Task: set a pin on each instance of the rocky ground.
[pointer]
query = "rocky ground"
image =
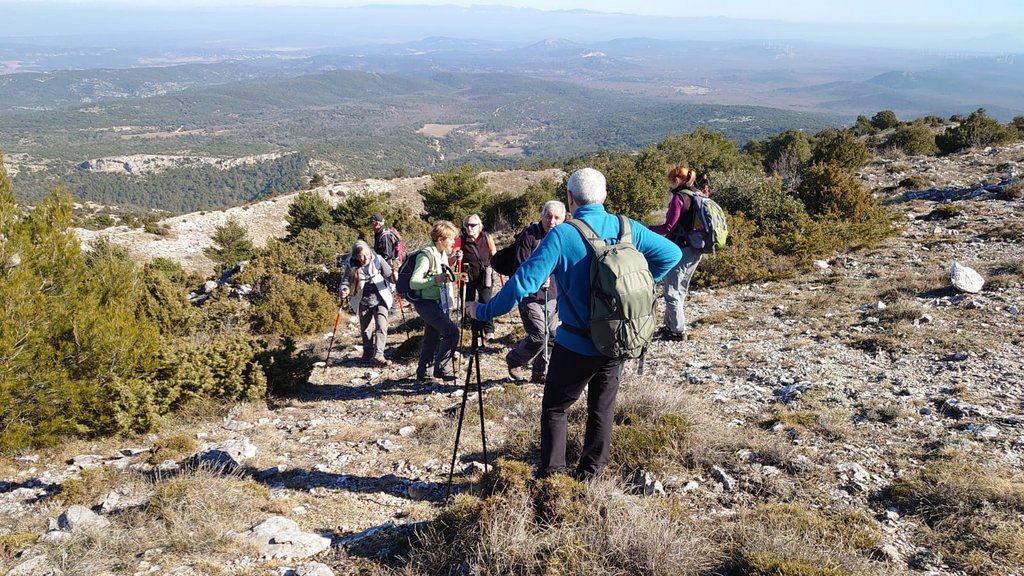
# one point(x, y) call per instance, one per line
point(844, 383)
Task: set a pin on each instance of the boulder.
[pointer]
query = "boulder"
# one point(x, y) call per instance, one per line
point(279, 537)
point(965, 279)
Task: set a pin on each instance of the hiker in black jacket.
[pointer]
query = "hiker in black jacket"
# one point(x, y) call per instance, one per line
point(387, 243)
point(538, 310)
point(476, 248)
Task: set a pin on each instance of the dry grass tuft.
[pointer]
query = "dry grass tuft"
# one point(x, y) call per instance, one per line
point(973, 511)
point(578, 530)
point(791, 540)
point(174, 447)
point(14, 542)
point(91, 485)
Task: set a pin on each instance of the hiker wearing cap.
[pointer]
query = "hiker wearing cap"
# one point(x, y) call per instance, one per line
point(538, 310)
point(679, 221)
point(365, 283)
point(476, 247)
point(575, 362)
point(431, 279)
point(386, 242)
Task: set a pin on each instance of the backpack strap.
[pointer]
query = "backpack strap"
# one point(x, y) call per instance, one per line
point(588, 234)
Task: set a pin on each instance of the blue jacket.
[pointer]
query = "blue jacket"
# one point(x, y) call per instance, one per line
point(564, 253)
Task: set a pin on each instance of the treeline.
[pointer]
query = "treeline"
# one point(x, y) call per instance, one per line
point(180, 190)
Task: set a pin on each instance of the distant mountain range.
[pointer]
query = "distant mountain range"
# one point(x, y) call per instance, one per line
point(354, 92)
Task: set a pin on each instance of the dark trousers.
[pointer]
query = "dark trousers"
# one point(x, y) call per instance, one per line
point(439, 336)
point(568, 374)
point(476, 291)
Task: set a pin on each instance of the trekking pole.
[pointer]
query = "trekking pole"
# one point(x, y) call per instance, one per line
point(337, 321)
point(474, 357)
point(401, 308)
point(461, 325)
point(546, 328)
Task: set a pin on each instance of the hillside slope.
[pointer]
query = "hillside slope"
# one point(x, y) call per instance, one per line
point(869, 389)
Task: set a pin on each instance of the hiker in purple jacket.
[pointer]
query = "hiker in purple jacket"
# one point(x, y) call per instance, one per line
point(679, 220)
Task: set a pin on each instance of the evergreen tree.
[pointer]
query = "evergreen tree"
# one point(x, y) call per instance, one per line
point(452, 195)
point(309, 210)
point(232, 245)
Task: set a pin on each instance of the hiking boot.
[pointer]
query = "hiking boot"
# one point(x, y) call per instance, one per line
point(517, 373)
point(664, 333)
point(381, 363)
point(537, 379)
point(446, 376)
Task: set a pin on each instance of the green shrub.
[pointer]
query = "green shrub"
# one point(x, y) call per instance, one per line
point(636, 183)
point(455, 194)
point(787, 154)
point(976, 130)
point(285, 366)
point(829, 189)
point(309, 211)
point(761, 199)
point(915, 139)
point(224, 367)
point(231, 245)
point(914, 182)
point(884, 120)
point(284, 305)
point(749, 258)
point(166, 302)
point(704, 150)
point(643, 445)
point(863, 127)
point(839, 147)
point(75, 342)
point(510, 211)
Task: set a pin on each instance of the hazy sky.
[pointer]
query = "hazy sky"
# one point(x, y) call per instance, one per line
point(975, 13)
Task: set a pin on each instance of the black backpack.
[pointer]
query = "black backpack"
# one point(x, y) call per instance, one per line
point(504, 261)
point(405, 274)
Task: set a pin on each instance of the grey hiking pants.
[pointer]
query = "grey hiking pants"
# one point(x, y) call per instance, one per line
point(439, 336)
point(373, 327)
point(531, 347)
point(677, 285)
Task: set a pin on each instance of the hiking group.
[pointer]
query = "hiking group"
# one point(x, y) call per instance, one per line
point(584, 292)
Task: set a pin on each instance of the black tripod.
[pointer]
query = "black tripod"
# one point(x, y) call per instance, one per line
point(474, 359)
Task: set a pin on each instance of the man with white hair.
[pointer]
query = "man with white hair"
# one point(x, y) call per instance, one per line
point(575, 362)
point(540, 317)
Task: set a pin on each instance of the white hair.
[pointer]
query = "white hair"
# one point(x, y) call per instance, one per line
point(587, 186)
point(551, 206)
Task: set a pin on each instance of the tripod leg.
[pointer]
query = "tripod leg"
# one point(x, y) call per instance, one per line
point(458, 430)
point(477, 336)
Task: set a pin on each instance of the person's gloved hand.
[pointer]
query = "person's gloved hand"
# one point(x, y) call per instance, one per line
point(471, 310)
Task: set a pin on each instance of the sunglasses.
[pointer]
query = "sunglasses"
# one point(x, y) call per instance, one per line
point(472, 225)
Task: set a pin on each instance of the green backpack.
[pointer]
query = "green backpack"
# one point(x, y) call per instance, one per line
point(622, 316)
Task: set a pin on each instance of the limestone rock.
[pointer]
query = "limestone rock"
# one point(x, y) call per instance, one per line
point(279, 537)
point(78, 518)
point(965, 279)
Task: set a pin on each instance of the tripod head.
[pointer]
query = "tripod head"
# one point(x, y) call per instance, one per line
point(477, 330)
